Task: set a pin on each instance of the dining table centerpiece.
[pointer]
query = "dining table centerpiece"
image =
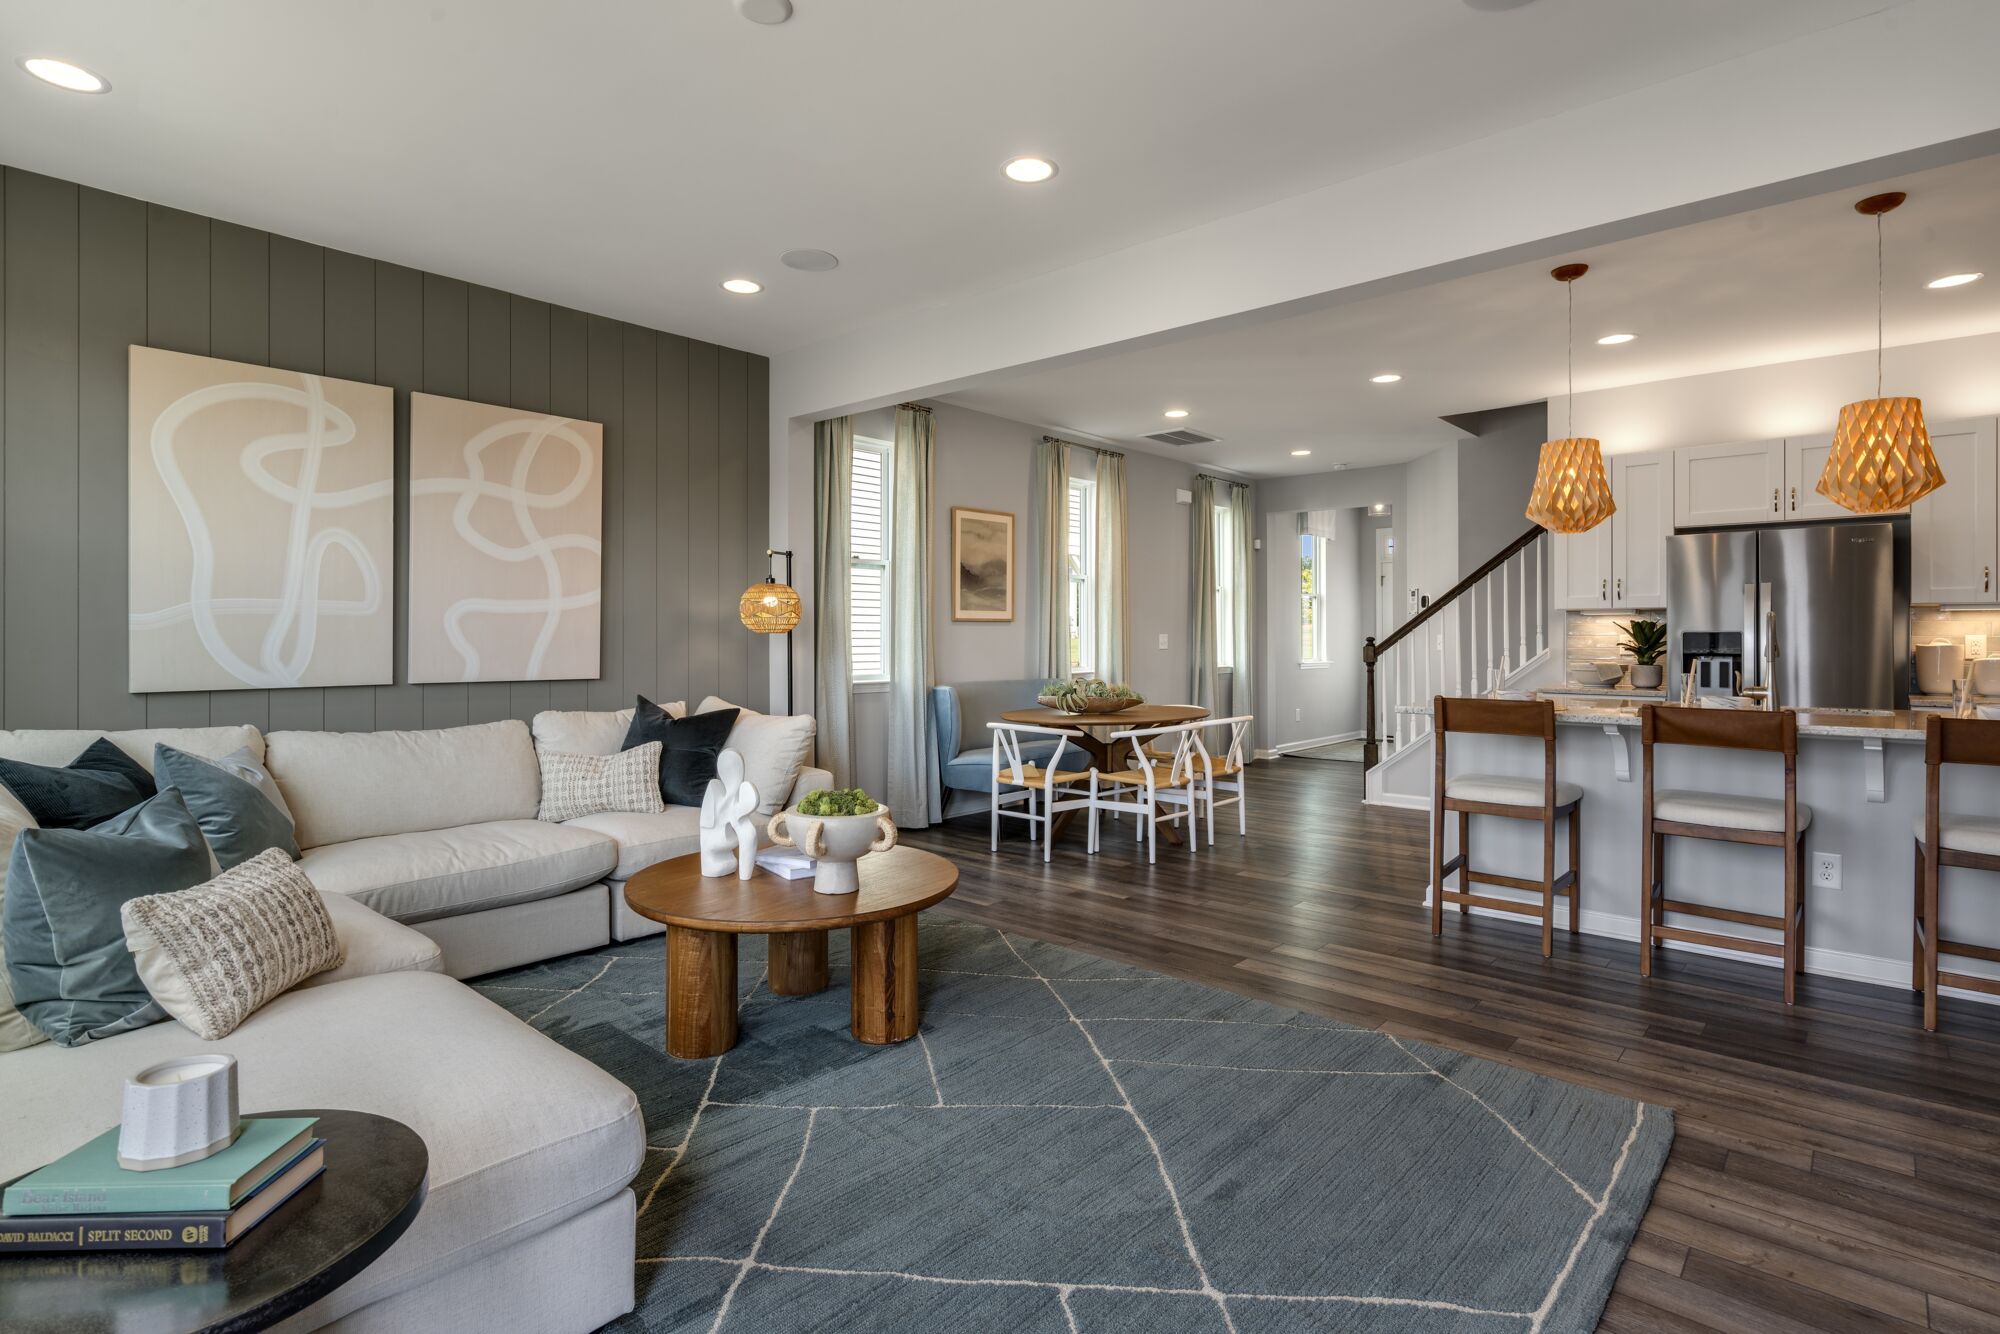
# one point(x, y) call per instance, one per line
point(1094, 695)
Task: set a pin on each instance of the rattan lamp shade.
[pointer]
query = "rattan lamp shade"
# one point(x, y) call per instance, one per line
point(769, 608)
point(1571, 494)
point(1881, 459)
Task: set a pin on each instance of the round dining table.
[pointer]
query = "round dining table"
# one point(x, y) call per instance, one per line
point(1094, 732)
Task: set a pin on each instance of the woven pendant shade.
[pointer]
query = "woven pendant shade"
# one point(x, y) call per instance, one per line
point(1571, 494)
point(769, 608)
point(1881, 459)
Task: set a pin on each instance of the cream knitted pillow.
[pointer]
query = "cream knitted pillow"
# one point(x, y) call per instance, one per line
point(574, 785)
point(213, 954)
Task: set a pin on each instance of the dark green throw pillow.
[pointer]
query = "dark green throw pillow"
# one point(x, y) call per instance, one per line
point(90, 789)
point(235, 799)
point(688, 747)
point(72, 975)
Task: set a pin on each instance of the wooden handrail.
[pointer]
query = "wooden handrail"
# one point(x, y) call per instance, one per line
point(1371, 746)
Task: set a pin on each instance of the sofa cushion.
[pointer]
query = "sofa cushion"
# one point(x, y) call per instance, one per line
point(689, 747)
point(71, 973)
point(774, 747)
point(973, 769)
point(343, 786)
point(374, 944)
point(574, 785)
point(236, 801)
point(15, 1031)
point(643, 840)
point(522, 1133)
point(63, 744)
point(589, 731)
point(101, 782)
point(444, 872)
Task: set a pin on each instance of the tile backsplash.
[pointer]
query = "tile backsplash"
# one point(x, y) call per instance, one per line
point(1928, 624)
point(1592, 637)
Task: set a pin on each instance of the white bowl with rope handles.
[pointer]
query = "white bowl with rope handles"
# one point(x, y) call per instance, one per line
point(835, 843)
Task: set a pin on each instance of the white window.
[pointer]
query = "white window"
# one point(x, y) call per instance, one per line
point(1225, 591)
point(1082, 576)
point(1312, 598)
point(868, 563)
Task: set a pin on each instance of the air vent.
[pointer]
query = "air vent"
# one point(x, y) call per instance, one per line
point(1178, 438)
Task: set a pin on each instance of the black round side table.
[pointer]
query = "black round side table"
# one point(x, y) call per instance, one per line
point(323, 1236)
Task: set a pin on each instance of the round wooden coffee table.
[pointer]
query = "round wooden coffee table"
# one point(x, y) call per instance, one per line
point(704, 916)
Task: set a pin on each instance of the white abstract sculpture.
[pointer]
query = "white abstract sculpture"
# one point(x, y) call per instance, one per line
point(728, 835)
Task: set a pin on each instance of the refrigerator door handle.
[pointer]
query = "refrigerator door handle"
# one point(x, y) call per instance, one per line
point(1770, 654)
point(1753, 637)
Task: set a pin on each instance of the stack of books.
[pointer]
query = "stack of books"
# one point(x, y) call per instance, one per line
point(787, 862)
point(84, 1201)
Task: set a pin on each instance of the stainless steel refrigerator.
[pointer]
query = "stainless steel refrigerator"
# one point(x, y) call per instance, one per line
point(1818, 616)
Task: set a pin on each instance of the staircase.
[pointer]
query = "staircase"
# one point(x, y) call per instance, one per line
point(1493, 620)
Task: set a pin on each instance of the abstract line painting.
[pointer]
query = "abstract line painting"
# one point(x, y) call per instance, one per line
point(262, 527)
point(506, 551)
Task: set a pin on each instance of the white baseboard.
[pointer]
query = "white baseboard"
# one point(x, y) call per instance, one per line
point(1871, 968)
point(1314, 743)
point(1400, 801)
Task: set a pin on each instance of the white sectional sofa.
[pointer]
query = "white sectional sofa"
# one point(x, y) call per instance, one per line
point(434, 867)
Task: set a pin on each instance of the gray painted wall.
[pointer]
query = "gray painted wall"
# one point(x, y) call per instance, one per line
point(1496, 471)
point(83, 274)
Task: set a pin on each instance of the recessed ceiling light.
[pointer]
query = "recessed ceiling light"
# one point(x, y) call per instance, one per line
point(62, 74)
point(1389, 378)
point(1176, 413)
point(1029, 170)
point(765, 11)
point(1300, 453)
point(1613, 340)
point(742, 286)
point(810, 261)
point(1955, 280)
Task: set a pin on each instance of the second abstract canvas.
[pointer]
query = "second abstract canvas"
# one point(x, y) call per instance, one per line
point(506, 554)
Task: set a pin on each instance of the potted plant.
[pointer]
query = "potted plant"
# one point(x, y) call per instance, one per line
point(836, 828)
point(1092, 696)
point(1646, 641)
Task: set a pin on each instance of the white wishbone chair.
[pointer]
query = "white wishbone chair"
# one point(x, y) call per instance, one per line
point(1166, 765)
point(1016, 781)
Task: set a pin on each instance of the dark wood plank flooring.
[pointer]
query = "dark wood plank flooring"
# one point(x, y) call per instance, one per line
point(1834, 1167)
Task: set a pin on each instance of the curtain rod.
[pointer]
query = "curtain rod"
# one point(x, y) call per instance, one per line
point(1211, 477)
point(913, 407)
point(1078, 444)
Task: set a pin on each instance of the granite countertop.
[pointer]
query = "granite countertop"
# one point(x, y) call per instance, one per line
point(1597, 688)
point(1840, 724)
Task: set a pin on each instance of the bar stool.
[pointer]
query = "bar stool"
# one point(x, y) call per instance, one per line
point(1728, 818)
point(1960, 840)
point(1543, 799)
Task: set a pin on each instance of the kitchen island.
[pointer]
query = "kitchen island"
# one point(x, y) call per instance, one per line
point(1861, 772)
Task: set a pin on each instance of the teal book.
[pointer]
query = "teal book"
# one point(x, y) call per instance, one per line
point(90, 1181)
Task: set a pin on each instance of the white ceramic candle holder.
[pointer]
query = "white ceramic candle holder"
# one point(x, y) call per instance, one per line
point(178, 1111)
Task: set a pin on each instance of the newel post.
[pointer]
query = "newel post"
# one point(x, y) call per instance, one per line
point(1371, 745)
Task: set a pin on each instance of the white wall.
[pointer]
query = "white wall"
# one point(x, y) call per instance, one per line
point(1316, 701)
point(1958, 377)
point(987, 462)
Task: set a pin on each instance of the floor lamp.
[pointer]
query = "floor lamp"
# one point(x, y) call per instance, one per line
point(772, 608)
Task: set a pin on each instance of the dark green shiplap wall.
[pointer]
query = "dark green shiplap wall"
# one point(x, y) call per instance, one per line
point(85, 274)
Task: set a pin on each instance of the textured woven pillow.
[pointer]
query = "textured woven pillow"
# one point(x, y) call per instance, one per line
point(574, 785)
point(212, 955)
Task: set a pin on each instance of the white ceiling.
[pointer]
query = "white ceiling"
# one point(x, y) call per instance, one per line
point(1783, 283)
point(623, 156)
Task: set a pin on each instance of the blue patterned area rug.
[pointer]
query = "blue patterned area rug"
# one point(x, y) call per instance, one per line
point(1071, 1144)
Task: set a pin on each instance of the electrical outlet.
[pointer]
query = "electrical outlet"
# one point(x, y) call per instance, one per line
point(1975, 646)
point(1163, 641)
point(1298, 715)
point(1826, 870)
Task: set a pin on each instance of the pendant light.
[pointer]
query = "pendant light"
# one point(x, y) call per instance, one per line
point(1571, 494)
point(1881, 460)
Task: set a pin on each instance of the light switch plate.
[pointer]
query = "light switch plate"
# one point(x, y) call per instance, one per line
point(1163, 641)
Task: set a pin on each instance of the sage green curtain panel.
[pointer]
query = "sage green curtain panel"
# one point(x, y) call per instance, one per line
point(1204, 663)
point(1048, 566)
point(833, 467)
point(1114, 622)
point(913, 794)
point(1242, 534)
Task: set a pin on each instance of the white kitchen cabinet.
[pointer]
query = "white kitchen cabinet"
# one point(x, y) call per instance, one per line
point(1719, 485)
point(1805, 460)
point(1643, 486)
point(1955, 530)
point(1581, 568)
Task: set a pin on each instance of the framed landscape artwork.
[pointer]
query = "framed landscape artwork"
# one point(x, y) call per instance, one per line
point(260, 526)
point(982, 565)
point(506, 543)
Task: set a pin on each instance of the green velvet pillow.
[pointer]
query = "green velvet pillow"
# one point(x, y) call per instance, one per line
point(235, 800)
point(72, 975)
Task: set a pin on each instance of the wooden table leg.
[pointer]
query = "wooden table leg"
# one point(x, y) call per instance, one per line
point(798, 962)
point(701, 992)
point(885, 980)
